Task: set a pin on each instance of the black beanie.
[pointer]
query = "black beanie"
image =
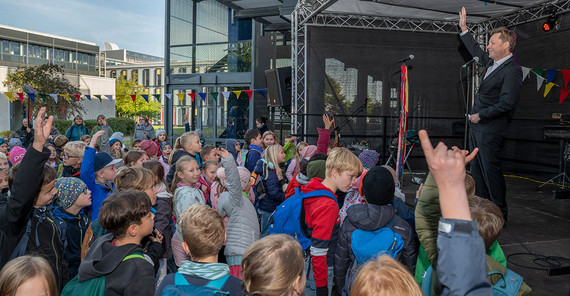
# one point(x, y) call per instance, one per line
point(378, 186)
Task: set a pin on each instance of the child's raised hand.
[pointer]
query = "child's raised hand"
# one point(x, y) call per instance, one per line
point(468, 157)
point(157, 237)
point(42, 132)
point(447, 166)
point(223, 152)
point(327, 121)
point(95, 138)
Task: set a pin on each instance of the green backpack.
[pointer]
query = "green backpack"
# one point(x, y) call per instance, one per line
point(94, 286)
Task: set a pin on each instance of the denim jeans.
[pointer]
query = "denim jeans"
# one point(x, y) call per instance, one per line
point(264, 222)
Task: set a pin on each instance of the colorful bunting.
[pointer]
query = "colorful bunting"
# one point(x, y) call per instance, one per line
point(249, 92)
point(44, 97)
point(547, 88)
point(99, 97)
point(88, 97)
point(262, 90)
point(525, 71)
point(32, 97)
point(566, 76)
point(157, 97)
point(214, 95)
point(110, 97)
point(10, 95)
point(563, 94)
point(145, 97)
point(203, 96)
point(134, 98)
point(77, 96)
point(538, 72)
point(66, 96)
point(226, 94)
point(237, 92)
point(21, 96)
point(168, 96)
point(539, 82)
point(192, 96)
point(180, 98)
point(54, 96)
point(550, 74)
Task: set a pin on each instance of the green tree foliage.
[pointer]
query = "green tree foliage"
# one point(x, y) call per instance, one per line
point(335, 100)
point(46, 79)
point(124, 106)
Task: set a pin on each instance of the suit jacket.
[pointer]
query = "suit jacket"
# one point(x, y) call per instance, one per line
point(498, 93)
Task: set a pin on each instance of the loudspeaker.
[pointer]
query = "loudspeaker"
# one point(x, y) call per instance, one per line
point(278, 87)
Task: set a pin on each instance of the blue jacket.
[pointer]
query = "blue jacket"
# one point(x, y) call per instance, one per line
point(275, 194)
point(72, 230)
point(253, 157)
point(98, 191)
point(75, 132)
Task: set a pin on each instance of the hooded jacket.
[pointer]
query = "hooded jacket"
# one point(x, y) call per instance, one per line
point(72, 230)
point(275, 195)
point(129, 277)
point(322, 222)
point(75, 132)
point(163, 216)
point(370, 217)
point(99, 191)
point(15, 210)
point(254, 154)
point(144, 132)
point(298, 181)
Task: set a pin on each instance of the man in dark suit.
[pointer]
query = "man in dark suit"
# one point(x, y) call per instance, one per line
point(495, 102)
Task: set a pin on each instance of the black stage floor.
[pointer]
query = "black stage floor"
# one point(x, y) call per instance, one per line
point(537, 223)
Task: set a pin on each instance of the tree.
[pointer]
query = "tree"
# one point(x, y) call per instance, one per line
point(124, 106)
point(46, 79)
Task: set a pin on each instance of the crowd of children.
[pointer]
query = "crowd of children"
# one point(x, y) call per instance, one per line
point(89, 217)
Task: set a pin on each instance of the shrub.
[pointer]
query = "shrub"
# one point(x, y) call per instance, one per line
point(5, 134)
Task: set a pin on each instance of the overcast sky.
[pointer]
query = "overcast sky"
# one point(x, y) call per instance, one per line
point(136, 25)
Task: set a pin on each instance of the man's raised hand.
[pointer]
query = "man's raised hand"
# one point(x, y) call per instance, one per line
point(463, 19)
point(42, 131)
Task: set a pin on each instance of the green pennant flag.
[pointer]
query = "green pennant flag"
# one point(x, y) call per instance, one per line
point(157, 97)
point(538, 72)
point(44, 97)
point(99, 97)
point(215, 95)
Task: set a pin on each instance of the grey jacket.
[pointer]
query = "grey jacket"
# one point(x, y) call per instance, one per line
point(243, 226)
point(185, 197)
point(144, 132)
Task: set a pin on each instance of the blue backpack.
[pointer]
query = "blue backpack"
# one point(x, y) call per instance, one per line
point(182, 287)
point(368, 245)
point(287, 216)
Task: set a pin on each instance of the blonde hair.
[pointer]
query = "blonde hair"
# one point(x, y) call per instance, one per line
point(341, 159)
point(203, 231)
point(16, 272)
point(272, 265)
point(133, 156)
point(134, 178)
point(180, 142)
point(75, 147)
point(120, 154)
point(297, 154)
point(271, 157)
point(384, 276)
point(489, 219)
point(3, 156)
point(180, 165)
point(265, 134)
point(469, 185)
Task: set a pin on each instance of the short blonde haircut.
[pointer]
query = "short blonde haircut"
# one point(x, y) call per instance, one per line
point(3, 156)
point(341, 159)
point(77, 148)
point(16, 272)
point(203, 231)
point(134, 178)
point(489, 219)
point(272, 265)
point(469, 185)
point(384, 276)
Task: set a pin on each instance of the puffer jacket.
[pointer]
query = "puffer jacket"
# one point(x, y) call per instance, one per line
point(144, 132)
point(243, 225)
point(185, 197)
point(275, 195)
point(370, 217)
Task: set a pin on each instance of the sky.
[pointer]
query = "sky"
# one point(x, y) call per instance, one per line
point(136, 25)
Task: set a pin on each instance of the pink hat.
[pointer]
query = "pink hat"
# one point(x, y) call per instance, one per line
point(149, 147)
point(244, 177)
point(17, 154)
point(308, 152)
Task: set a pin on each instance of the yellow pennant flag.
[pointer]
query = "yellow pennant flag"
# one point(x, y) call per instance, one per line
point(65, 96)
point(547, 88)
point(237, 92)
point(10, 95)
point(180, 98)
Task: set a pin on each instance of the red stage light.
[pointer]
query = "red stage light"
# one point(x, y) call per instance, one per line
point(546, 27)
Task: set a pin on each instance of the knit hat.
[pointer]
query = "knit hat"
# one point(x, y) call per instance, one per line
point(117, 135)
point(308, 151)
point(164, 144)
point(221, 174)
point(113, 141)
point(316, 169)
point(231, 147)
point(103, 160)
point(2, 142)
point(244, 178)
point(14, 142)
point(159, 131)
point(369, 158)
point(16, 154)
point(149, 147)
point(60, 141)
point(68, 191)
point(378, 186)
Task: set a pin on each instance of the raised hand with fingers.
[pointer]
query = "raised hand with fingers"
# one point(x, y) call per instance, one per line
point(463, 19)
point(95, 138)
point(327, 121)
point(223, 152)
point(468, 157)
point(42, 131)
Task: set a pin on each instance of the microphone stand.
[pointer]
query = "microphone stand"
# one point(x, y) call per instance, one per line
point(467, 105)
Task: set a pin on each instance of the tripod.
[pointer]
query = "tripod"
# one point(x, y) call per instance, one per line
point(564, 156)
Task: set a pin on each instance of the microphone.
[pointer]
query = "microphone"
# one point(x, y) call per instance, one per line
point(409, 58)
point(474, 60)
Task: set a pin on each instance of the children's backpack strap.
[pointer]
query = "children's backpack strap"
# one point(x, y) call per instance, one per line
point(219, 283)
point(134, 255)
point(20, 249)
point(180, 280)
point(317, 193)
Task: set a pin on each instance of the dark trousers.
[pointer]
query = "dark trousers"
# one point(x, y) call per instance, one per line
point(486, 169)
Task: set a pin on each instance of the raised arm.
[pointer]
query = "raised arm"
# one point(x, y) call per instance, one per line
point(232, 175)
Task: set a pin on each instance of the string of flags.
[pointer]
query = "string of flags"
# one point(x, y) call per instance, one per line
point(14, 96)
point(550, 76)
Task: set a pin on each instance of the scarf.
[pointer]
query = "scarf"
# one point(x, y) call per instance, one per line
point(209, 271)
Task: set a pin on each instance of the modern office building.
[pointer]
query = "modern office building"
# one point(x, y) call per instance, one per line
point(23, 48)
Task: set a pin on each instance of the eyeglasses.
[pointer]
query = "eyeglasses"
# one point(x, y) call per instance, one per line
point(65, 156)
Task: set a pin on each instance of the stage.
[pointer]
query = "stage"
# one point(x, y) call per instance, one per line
point(540, 222)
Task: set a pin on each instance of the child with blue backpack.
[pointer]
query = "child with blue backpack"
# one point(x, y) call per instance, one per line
point(368, 220)
point(203, 234)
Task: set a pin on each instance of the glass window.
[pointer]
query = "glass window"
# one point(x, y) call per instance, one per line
point(114, 74)
point(15, 48)
point(124, 74)
point(145, 77)
point(212, 22)
point(43, 52)
point(5, 46)
point(135, 75)
point(158, 77)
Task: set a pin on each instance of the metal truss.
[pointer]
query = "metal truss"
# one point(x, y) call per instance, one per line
point(299, 70)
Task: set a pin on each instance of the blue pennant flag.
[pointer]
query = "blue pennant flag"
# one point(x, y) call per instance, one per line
point(110, 97)
point(88, 97)
point(203, 96)
point(32, 97)
point(145, 97)
point(550, 74)
point(261, 90)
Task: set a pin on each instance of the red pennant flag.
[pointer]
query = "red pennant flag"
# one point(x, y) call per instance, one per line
point(134, 97)
point(566, 75)
point(249, 92)
point(21, 95)
point(76, 96)
point(563, 94)
point(192, 96)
